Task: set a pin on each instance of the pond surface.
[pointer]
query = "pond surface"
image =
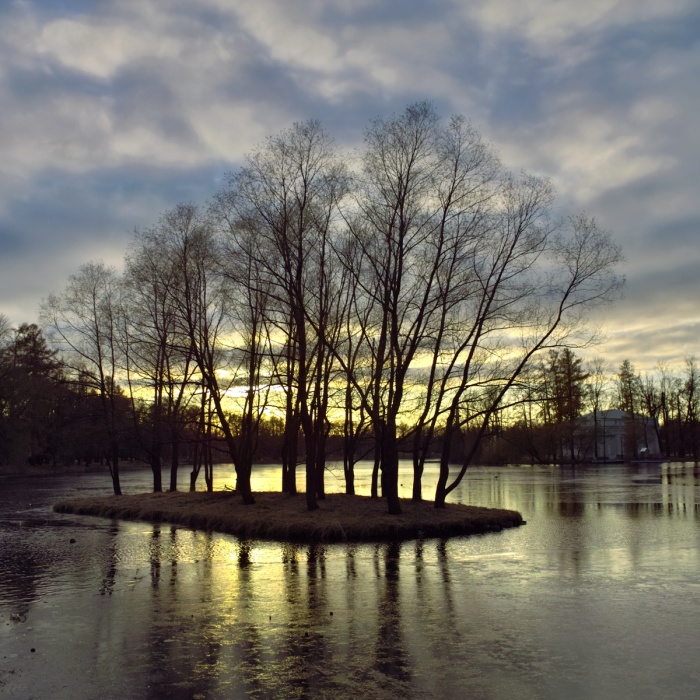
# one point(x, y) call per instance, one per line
point(598, 596)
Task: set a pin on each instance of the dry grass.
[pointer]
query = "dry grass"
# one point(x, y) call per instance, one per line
point(277, 516)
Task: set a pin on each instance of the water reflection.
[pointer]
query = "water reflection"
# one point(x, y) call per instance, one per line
point(141, 610)
point(110, 560)
point(229, 624)
point(391, 658)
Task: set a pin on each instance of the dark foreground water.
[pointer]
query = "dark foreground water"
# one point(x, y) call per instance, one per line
point(598, 596)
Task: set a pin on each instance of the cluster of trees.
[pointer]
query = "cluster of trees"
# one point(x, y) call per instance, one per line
point(29, 392)
point(53, 416)
point(394, 296)
point(671, 400)
point(541, 422)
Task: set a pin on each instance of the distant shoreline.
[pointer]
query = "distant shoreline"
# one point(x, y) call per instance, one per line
point(68, 470)
point(284, 518)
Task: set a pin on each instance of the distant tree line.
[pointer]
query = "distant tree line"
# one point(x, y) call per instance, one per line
point(541, 421)
point(52, 417)
point(385, 303)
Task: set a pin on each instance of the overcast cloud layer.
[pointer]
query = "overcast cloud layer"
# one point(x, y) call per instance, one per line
point(116, 110)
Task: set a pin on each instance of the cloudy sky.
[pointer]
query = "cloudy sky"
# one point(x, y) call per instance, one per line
point(112, 111)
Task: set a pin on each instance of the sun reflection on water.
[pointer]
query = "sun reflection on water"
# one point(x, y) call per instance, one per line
point(141, 610)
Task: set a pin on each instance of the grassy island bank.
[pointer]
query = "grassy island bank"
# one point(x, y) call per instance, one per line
point(277, 516)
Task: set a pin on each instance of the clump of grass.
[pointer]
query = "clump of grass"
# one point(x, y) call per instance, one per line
point(277, 516)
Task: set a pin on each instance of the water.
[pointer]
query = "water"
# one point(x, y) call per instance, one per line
point(597, 597)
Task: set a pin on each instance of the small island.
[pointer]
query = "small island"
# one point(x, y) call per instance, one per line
point(281, 517)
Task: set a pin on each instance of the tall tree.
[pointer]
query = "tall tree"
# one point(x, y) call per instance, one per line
point(598, 372)
point(30, 387)
point(669, 390)
point(539, 279)
point(157, 354)
point(691, 400)
point(418, 204)
point(286, 195)
point(83, 322)
point(629, 401)
point(564, 395)
point(249, 292)
point(202, 298)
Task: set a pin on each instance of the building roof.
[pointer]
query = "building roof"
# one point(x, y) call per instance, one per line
point(611, 414)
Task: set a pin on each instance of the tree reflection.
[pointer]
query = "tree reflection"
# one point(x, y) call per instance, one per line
point(390, 653)
point(155, 556)
point(178, 656)
point(110, 561)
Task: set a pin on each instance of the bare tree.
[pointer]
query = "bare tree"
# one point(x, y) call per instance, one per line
point(157, 354)
point(691, 400)
point(422, 193)
point(83, 322)
point(286, 195)
point(249, 292)
point(538, 282)
point(397, 230)
point(201, 296)
point(598, 372)
point(5, 329)
point(669, 388)
point(460, 265)
point(410, 298)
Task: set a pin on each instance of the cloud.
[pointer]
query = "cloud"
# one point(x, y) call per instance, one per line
point(115, 111)
point(134, 82)
point(550, 27)
point(101, 47)
point(142, 98)
point(71, 219)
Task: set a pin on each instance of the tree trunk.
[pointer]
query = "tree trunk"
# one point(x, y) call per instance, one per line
point(157, 474)
point(349, 474)
point(320, 466)
point(390, 470)
point(417, 479)
point(208, 469)
point(196, 465)
point(311, 502)
point(114, 468)
point(290, 451)
point(378, 433)
point(174, 460)
point(243, 475)
point(441, 489)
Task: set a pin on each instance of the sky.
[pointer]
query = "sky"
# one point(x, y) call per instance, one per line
point(114, 111)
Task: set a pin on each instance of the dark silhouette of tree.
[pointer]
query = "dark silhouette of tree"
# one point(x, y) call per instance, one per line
point(83, 322)
point(650, 399)
point(30, 388)
point(563, 395)
point(202, 296)
point(420, 198)
point(538, 281)
point(157, 354)
point(407, 301)
point(691, 400)
point(629, 400)
point(285, 197)
point(250, 295)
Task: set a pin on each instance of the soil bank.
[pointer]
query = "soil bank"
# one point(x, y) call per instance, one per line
point(277, 516)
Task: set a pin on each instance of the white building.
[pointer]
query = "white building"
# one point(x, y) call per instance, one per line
point(615, 436)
